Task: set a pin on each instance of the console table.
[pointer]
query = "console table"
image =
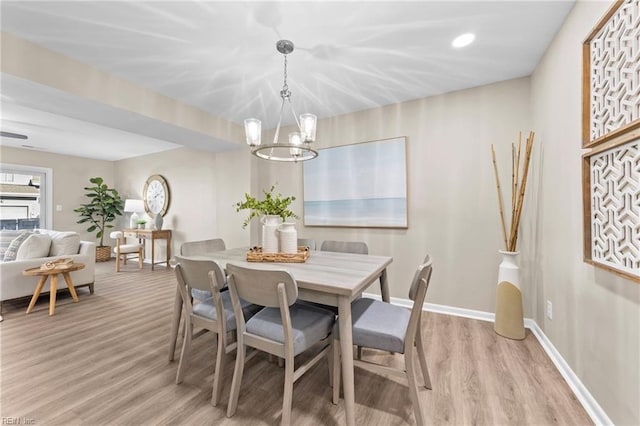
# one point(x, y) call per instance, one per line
point(153, 235)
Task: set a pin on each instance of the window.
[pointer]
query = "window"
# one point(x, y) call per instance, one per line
point(25, 197)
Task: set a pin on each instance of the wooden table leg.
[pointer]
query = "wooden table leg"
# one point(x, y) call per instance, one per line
point(384, 286)
point(153, 253)
point(36, 293)
point(346, 347)
point(72, 290)
point(168, 240)
point(52, 294)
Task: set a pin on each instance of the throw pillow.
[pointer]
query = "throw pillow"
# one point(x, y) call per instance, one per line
point(64, 243)
point(12, 250)
point(6, 236)
point(37, 245)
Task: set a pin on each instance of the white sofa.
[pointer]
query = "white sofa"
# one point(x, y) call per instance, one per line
point(14, 285)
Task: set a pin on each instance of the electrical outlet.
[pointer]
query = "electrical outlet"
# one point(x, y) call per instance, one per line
point(58, 207)
point(549, 310)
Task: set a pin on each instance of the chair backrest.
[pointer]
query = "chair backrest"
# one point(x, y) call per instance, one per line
point(195, 273)
point(357, 247)
point(116, 235)
point(260, 286)
point(194, 248)
point(307, 242)
point(417, 293)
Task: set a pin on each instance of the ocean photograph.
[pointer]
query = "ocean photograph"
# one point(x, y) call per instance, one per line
point(360, 185)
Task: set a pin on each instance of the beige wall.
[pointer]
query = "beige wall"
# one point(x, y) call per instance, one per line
point(70, 176)
point(596, 315)
point(453, 213)
point(203, 186)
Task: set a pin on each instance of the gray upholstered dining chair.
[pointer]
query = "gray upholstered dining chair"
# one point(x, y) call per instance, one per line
point(283, 328)
point(202, 247)
point(390, 328)
point(215, 314)
point(358, 247)
point(307, 242)
point(191, 248)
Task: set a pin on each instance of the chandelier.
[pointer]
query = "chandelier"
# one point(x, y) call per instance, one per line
point(298, 147)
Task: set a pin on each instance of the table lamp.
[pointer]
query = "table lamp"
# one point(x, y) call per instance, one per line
point(134, 207)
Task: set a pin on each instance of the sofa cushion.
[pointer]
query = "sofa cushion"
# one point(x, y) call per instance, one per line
point(12, 250)
point(6, 236)
point(63, 243)
point(37, 245)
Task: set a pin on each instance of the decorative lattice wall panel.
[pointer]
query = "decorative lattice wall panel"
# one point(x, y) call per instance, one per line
point(611, 81)
point(615, 207)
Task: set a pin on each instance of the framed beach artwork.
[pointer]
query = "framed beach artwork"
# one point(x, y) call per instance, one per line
point(360, 185)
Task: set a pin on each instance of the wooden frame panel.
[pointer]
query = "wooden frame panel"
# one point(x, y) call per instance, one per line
point(616, 40)
point(619, 221)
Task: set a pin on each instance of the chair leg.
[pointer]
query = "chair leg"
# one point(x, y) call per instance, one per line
point(184, 354)
point(413, 387)
point(140, 258)
point(288, 391)
point(237, 380)
point(423, 360)
point(175, 324)
point(219, 371)
point(118, 262)
point(335, 350)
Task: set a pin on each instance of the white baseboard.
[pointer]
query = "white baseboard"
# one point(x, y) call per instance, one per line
point(589, 403)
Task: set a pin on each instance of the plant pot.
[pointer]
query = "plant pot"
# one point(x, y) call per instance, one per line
point(103, 253)
point(270, 234)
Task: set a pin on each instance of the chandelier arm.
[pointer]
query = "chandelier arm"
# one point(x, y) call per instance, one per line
point(277, 134)
point(295, 116)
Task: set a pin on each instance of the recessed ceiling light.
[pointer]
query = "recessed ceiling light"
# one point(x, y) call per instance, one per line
point(463, 40)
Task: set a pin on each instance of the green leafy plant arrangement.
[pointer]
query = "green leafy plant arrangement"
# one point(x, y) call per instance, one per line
point(104, 206)
point(271, 205)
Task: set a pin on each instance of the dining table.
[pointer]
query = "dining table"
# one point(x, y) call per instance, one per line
point(329, 278)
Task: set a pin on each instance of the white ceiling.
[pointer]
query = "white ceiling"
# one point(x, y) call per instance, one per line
point(221, 57)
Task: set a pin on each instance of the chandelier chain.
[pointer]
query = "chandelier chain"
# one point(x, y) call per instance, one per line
point(285, 93)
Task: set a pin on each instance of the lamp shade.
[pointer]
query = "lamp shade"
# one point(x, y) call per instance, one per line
point(253, 128)
point(135, 206)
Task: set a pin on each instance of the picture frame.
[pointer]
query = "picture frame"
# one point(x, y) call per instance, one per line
point(610, 190)
point(607, 109)
point(362, 185)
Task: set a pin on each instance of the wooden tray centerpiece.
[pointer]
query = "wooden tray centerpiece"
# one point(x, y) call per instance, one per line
point(255, 254)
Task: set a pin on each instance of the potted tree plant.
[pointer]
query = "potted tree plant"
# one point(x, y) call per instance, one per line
point(105, 204)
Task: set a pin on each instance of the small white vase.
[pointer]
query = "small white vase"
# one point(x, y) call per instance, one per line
point(269, 233)
point(509, 320)
point(288, 238)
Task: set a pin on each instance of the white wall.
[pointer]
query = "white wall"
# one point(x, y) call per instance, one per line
point(453, 213)
point(596, 315)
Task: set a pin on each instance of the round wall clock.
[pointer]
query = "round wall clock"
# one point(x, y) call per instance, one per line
point(156, 195)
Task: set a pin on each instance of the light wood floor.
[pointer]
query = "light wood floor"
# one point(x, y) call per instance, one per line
point(103, 361)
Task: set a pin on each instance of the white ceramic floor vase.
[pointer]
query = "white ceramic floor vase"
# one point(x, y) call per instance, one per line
point(270, 225)
point(288, 238)
point(509, 320)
